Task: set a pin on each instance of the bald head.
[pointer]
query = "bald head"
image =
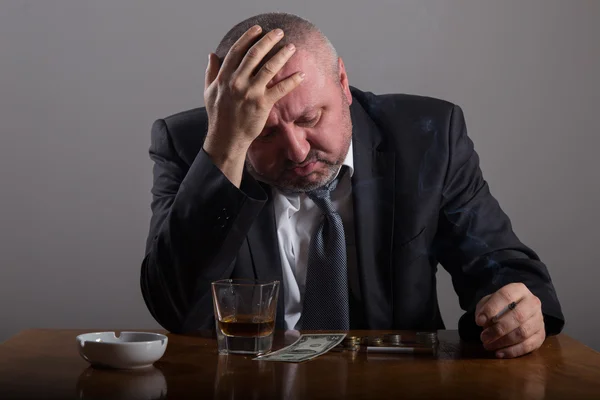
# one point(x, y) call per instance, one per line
point(302, 33)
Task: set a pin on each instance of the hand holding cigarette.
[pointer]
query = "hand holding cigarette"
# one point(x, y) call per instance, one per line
point(512, 320)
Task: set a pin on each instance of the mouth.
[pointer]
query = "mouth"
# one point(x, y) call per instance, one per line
point(305, 168)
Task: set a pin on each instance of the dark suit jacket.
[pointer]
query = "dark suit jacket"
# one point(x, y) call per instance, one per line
point(419, 200)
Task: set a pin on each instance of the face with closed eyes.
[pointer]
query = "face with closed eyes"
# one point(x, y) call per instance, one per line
point(308, 132)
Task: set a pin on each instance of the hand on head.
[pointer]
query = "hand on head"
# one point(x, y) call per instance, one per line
point(238, 101)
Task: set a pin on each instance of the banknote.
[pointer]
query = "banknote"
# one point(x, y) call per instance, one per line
point(305, 348)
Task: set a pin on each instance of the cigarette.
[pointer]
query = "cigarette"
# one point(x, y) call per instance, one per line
point(400, 350)
point(506, 309)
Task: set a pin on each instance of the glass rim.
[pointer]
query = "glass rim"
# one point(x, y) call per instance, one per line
point(244, 282)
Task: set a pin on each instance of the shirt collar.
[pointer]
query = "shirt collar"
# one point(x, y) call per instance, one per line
point(349, 161)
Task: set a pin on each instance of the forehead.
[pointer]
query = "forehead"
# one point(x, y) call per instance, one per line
point(302, 60)
point(314, 89)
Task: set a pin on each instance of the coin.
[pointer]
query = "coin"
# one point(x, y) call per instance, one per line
point(372, 340)
point(392, 338)
point(427, 337)
point(352, 339)
point(346, 347)
point(350, 343)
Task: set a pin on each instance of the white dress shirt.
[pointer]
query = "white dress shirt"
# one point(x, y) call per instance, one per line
point(297, 218)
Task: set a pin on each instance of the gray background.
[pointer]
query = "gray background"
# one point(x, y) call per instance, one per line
point(82, 81)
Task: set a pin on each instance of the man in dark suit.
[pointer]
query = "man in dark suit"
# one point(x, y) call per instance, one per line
point(234, 197)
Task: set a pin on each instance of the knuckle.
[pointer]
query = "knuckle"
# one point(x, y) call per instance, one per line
point(499, 330)
point(529, 346)
point(262, 103)
point(236, 85)
point(483, 300)
point(487, 311)
point(219, 79)
point(523, 332)
point(252, 52)
point(269, 68)
point(518, 287)
point(281, 89)
point(482, 306)
point(507, 294)
point(537, 302)
point(519, 314)
point(247, 97)
point(234, 49)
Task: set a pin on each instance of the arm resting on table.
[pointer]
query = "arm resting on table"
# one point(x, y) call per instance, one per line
point(476, 243)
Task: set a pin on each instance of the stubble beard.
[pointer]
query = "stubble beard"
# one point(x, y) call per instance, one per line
point(286, 183)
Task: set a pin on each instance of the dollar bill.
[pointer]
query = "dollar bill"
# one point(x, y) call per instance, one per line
point(305, 348)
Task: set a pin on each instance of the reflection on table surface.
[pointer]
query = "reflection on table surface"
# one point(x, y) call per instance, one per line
point(46, 364)
point(144, 383)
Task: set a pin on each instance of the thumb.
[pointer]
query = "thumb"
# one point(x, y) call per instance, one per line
point(212, 70)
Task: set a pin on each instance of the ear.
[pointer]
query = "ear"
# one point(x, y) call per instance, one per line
point(344, 80)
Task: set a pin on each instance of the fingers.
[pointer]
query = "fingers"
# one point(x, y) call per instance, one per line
point(259, 51)
point(525, 347)
point(240, 63)
point(481, 303)
point(504, 296)
point(274, 65)
point(284, 87)
point(527, 308)
point(237, 52)
point(212, 69)
point(523, 332)
point(237, 103)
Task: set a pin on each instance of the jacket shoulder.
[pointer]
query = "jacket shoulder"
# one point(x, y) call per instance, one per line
point(407, 107)
point(183, 121)
point(187, 130)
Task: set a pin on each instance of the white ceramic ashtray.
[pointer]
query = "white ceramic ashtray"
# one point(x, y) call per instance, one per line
point(126, 351)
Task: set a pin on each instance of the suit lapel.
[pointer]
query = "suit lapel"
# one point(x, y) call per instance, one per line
point(373, 195)
point(264, 250)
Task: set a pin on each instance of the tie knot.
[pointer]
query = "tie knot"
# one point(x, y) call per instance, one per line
point(322, 196)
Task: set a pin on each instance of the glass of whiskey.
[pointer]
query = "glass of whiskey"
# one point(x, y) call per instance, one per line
point(245, 312)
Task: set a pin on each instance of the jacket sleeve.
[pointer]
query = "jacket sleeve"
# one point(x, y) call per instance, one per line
point(199, 222)
point(476, 243)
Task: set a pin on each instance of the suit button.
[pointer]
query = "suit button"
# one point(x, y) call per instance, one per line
point(223, 218)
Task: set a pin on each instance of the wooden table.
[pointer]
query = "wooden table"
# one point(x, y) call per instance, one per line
point(45, 364)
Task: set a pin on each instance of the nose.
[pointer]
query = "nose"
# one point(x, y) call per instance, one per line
point(295, 143)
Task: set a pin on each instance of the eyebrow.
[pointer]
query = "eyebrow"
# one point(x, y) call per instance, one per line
point(310, 111)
